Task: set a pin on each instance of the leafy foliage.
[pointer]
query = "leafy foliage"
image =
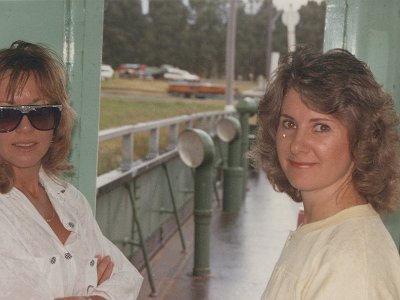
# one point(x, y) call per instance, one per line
point(306, 31)
point(193, 37)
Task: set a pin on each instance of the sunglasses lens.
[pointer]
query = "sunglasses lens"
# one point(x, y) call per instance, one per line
point(45, 118)
point(9, 119)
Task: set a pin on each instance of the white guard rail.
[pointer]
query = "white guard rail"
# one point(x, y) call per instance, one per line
point(129, 167)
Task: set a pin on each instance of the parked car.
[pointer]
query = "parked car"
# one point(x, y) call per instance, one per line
point(131, 70)
point(153, 73)
point(106, 72)
point(172, 73)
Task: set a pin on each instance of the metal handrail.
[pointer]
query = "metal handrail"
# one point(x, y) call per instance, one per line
point(131, 168)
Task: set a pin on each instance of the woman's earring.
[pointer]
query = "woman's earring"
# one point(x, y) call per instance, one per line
point(283, 135)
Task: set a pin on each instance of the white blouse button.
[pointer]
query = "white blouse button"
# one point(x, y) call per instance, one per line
point(92, 263)
point(53, 260)
point(71, 225)
point(68, 255)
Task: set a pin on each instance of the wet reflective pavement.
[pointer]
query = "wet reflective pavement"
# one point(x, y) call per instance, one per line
point(244, 249)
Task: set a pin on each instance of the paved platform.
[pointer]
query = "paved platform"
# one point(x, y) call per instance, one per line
point(244, 249)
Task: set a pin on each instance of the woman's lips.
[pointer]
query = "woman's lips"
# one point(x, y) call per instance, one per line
point(24, 146)
point(301, 165)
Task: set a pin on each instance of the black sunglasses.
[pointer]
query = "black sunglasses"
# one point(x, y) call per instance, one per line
point(41, 117)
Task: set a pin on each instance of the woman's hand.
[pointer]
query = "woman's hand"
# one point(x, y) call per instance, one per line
point(104, 268)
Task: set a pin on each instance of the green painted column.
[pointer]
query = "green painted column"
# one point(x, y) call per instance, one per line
point(229, 131)
point(196, 149)
point(84, 37)
point(371, 30)
point(246, 107)
point(72, 28)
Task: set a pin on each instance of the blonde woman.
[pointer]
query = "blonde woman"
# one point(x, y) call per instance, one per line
point(50, 244)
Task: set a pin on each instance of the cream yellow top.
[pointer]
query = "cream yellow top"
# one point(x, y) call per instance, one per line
point(350, 256)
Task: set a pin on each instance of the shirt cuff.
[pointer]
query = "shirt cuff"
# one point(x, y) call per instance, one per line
point(92, 291)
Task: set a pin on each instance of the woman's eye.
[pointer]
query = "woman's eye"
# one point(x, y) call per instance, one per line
point(322, 128)
point(288, 124)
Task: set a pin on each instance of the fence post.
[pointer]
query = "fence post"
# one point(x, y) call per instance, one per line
point(173, 136)
point(127, 152)
point(154, 143)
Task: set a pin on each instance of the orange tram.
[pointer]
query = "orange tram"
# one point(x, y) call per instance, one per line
point(195, 89)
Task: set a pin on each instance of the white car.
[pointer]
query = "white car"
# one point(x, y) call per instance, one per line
point(106, 72)
point(179, 74)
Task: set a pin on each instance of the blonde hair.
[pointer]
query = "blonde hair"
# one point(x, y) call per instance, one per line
point(18, 63)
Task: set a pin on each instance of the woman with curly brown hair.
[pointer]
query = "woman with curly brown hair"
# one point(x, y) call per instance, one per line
point(50, 244)
point(328, 138)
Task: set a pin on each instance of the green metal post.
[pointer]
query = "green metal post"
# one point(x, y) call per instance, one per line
point(233, 178)
point(246, 107)
point(202, 219)
point(370, 29)
point(229, 130)
point(142, 242)
point(174, 208)
point(196, 149)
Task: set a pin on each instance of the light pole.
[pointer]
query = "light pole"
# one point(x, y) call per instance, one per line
point(273, 15)
point(230, 55)
point(290, 18)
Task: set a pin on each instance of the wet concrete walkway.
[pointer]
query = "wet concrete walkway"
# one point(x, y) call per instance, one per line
point(244, 249)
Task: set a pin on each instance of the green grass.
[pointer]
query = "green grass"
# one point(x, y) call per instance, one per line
point(141, 107)
point(116, 111)
point(158, 87)
point(126, 86)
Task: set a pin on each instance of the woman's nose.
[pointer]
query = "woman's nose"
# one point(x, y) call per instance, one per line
point(299, 142)
point(25, 124)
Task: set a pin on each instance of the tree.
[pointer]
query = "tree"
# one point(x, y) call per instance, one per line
point(206, 38)
point(167, 24)
point(122, 32)
point(252, 41)
point(193, 37)
point(310, 29)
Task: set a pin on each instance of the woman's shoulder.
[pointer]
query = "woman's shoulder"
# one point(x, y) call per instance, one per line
point(359, 229)
point(362, 238)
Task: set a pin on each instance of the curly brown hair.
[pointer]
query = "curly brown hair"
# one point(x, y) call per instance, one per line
point(17, 63)
point(339, 84)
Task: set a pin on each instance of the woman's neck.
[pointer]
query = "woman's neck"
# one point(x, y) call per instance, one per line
point(27, 180)
point(321, 205)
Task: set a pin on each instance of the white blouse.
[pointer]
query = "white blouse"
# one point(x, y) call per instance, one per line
point(35, 265)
